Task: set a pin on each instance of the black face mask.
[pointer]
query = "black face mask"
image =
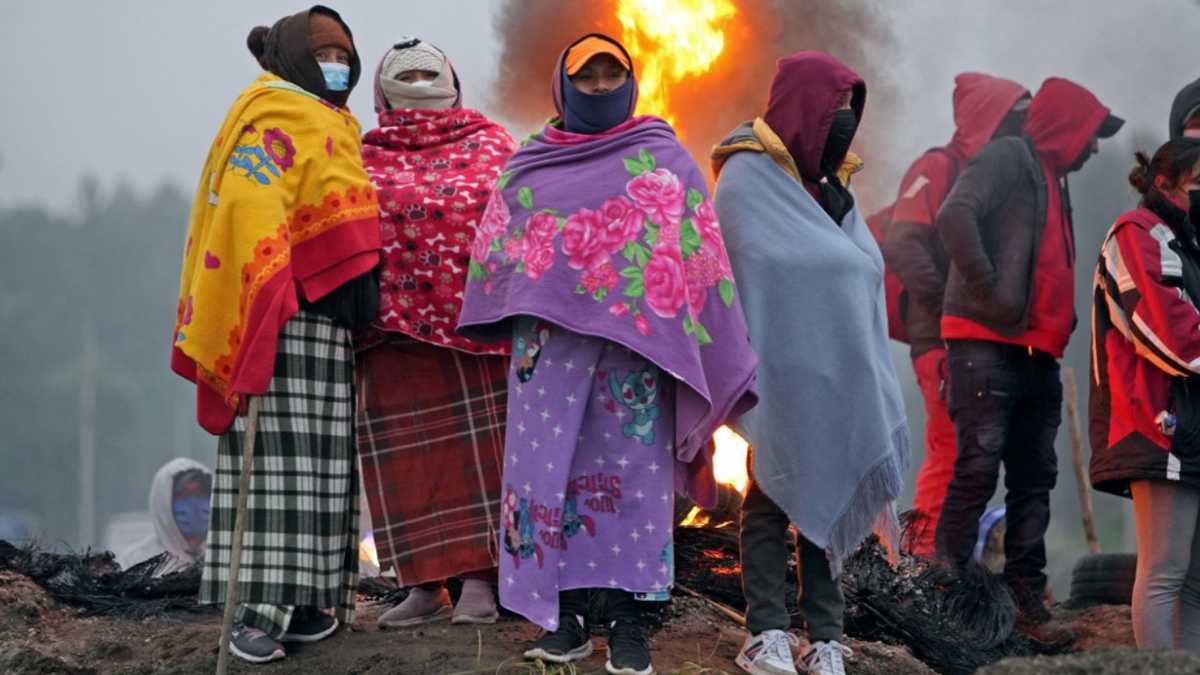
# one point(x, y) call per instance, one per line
point(837, 144)
point(1194, 207)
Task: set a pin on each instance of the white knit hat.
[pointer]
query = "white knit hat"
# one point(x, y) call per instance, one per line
point(418, 56)
point(413, 54)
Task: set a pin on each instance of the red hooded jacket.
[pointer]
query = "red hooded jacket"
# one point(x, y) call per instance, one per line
point(911, 247)
point(1063, 120)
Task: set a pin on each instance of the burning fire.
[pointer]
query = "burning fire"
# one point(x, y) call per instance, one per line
point(729, 461)
point(672, 40)
point(729, 467)
point(366, 550)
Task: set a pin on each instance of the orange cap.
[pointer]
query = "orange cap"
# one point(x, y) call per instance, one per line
point(583, 52)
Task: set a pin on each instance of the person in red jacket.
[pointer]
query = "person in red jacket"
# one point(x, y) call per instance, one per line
point(985, 108)
point(1007, 315)
point(1146, 358)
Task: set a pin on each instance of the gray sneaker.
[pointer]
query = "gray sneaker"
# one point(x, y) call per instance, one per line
point(255, 646)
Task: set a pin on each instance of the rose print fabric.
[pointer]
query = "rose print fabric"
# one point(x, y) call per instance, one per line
point(587, 490)
point(434, 171)
point(614, 236)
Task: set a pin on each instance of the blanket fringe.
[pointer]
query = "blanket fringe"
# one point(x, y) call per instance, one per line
point(873, 505)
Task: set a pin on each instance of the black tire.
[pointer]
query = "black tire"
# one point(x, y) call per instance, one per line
point(1103, 578)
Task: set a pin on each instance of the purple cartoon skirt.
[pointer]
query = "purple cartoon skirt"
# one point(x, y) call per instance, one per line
point(588, 483)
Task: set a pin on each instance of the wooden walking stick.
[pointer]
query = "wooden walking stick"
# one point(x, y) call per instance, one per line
point(239, 529)
point(1081, 476)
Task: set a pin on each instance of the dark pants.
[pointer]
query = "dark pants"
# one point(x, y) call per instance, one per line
point(618, 603)
point(764, 574)
point(1006, 404)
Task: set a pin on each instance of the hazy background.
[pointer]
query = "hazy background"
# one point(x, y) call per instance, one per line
point(109, 109)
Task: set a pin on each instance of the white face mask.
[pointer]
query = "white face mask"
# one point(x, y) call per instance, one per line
point(420, 83)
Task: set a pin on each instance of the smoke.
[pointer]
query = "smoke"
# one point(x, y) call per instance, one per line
point(532, 33)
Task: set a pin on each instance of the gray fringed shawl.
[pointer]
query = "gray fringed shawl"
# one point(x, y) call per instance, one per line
point(830, 435)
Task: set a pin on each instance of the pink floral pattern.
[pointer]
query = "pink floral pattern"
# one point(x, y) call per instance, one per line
point(651, 252)
point(660, 194)
point(666, 289)
point(584, 240)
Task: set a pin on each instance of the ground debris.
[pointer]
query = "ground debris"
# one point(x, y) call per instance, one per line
point(95, 585)
point(954, 623)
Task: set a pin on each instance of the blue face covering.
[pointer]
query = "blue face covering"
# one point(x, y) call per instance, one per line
point(191, 516)
point(337, 75)
point(595, 113)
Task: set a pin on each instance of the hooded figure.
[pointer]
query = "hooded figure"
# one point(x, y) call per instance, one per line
point(180, 497)
point(985, 107)
point(601, 257)
point(587, 113)
point(1008, 314)
point(286, 49)
point(278, 268)
point(1185, 112)
point(431, 413)
point(829, 435)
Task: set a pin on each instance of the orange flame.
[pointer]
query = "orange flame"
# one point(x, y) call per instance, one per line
point(671, 40)
point(695, 518)
point(366, 550)
point(729, 460)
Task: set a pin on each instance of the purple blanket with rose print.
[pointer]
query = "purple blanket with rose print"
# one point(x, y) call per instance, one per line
point(613, 235)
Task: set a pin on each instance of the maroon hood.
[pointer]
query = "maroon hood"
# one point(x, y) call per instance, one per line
point(1063, 119)
point(980, 104)
point(807, 90)
point(556, 79)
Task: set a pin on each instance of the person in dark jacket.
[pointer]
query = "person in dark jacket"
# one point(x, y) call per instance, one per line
point(985, 107)
point(1185, 112)
point(1146, 344)
point(1007, 315)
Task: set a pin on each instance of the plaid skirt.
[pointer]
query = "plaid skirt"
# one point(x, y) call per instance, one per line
point(431, 441)
point(301, 541)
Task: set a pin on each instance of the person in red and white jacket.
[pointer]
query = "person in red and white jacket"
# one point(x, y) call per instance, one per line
point(1145, 342)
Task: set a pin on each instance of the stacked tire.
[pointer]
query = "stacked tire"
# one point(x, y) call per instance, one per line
point(1103, 579)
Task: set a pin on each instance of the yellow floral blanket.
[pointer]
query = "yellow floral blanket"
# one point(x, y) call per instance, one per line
point(284, 207)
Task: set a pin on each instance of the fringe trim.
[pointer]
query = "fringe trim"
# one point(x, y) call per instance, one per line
point(873, 505)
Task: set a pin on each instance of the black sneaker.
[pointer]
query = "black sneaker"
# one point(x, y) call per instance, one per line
point(628, 653)
point(569, 643)
point(310, 625)
point(254, 646)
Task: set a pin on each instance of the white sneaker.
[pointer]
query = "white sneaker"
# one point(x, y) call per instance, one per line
point(825, 658)
point(768, 653)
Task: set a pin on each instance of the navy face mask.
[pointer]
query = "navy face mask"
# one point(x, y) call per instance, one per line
point(591, 113)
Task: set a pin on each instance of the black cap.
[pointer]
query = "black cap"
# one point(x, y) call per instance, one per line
point(1110, 126)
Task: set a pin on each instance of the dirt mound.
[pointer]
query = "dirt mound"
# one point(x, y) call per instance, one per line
point(21, 600)
point(25, 660)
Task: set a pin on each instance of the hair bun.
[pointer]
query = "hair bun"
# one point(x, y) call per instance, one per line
point(256, 41)
point(1140, 177)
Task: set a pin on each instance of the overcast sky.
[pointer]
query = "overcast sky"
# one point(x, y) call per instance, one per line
point(135, 89)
